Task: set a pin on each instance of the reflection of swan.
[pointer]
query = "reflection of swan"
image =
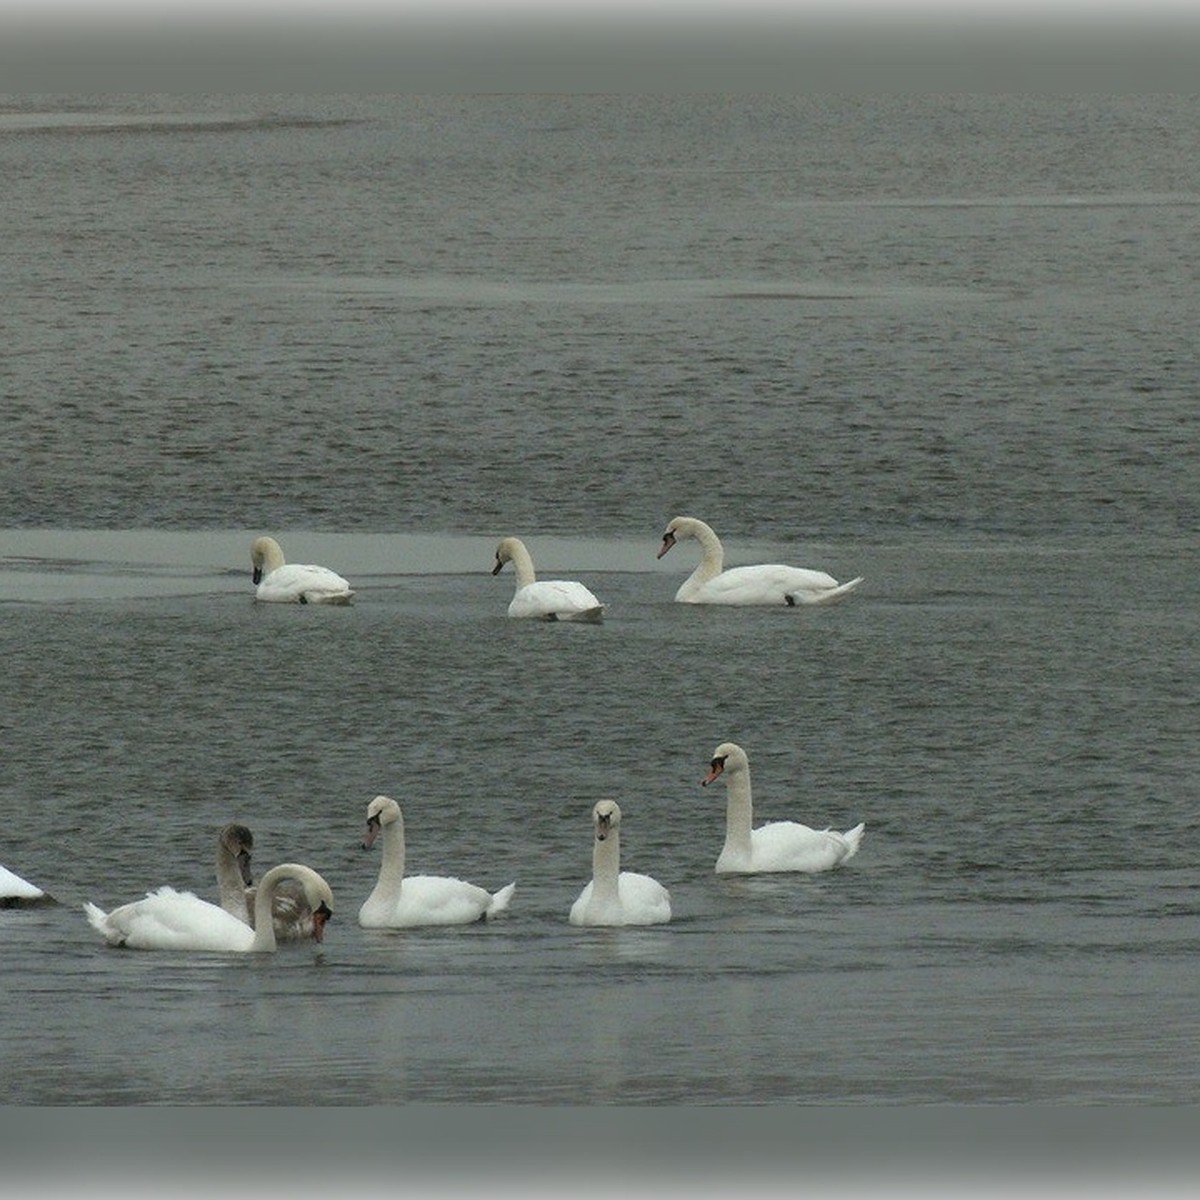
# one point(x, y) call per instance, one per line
point(545, 599)
point(616, 897)
point(768, 583)
point(294, 583)
point(171, 920)
point(401, 902)
point(15, 891)
point(289, 908)
point(778, 845)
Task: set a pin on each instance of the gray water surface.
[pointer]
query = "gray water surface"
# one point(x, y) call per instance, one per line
point(944, 343)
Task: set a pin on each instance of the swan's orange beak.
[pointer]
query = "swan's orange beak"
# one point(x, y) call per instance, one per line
point(717, 765)
point(668, 542)
point(321, 914)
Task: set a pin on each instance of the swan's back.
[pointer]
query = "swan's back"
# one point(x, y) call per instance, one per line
point(767, 584)
point(640, 900)
point(556, 600)
point(434, 900)
point(790, 846)
point(14, 890)
point(300, 583)
point(171, 920)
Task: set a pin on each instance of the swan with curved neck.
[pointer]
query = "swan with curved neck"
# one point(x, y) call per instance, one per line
point(290, 913)
point(766, 583)
point(400, 901)
point(281, 582)
point(777, 845)
point(616, 897)
point(171, 920)
point(545, 599)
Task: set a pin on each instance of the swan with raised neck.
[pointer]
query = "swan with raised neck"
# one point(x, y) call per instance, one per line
point(616, 897)
point(400, 901)
point(235, 844)
point(777, 845)
point(764, 583)
point(544, 599)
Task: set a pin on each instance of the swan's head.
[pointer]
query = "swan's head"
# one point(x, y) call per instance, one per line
point(383, 810)
point(727, 759)
point(606, 819)
point(238, 841)
point(265, 556)
point(677, 529)
point(506, 551)
point(320, 900)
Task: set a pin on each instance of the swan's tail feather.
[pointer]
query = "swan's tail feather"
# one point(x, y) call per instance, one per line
point(853, 838)
point(500, 900)
point(98, 920)
point(830, 597)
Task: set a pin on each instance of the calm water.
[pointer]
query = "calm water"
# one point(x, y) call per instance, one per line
point(947, 344)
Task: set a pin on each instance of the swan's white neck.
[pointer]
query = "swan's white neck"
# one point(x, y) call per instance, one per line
point(391, 866)
point(522, 562)
point(271, 554)
point(712, 557)
point(606, 867)
point(739, 812)
point(264, 924)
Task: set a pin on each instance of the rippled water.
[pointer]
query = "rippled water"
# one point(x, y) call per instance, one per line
point(944, 344)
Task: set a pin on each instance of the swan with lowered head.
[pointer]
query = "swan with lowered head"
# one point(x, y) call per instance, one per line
point(544, 599)
point(616, 897)
point(290, 911)
point(767, 583)
point(778, 845)
point(171, 920)
point(404, 902)
point(17, 892)
point(293, 583)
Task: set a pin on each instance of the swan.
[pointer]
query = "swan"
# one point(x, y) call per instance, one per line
point(290, 911)
point(402, 902)
point(546, 599)
point(294, 583)
point(768, 583)
point(778, 845)
point(171, 920)
point(616, 897)
point(15, 891)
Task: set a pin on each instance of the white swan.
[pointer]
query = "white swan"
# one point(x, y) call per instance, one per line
point(778, 845)
point(294, 583)
point(171, 920)
point(768, 583)
point(290, 912)
point(545, 599)
point(616, 897)
point(402, 902)
point(15, 891)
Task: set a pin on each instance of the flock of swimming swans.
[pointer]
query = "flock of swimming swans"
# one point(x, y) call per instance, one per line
point(292, 901)
point(278, 581)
